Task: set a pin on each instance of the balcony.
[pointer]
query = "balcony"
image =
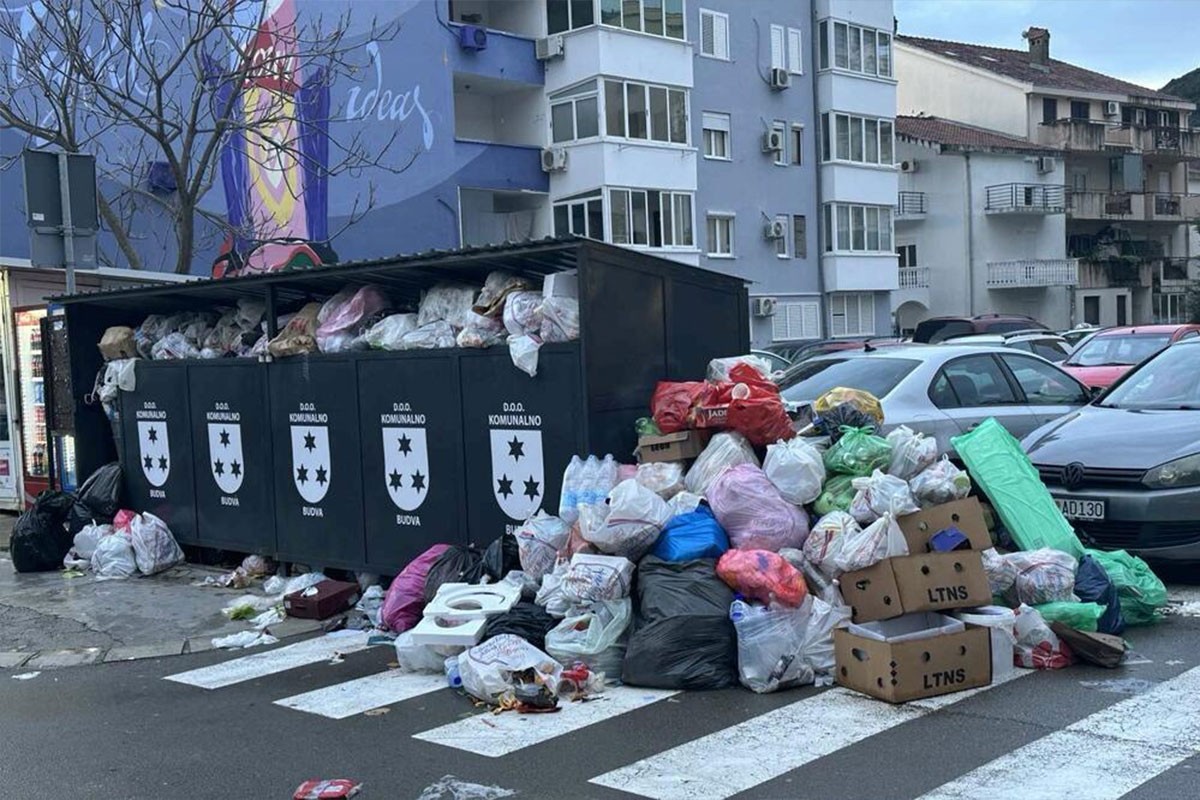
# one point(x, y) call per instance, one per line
point(1030, 273)
point(1026, 198)
point(914, 277)
point(1178, 142)
point(1079, 135)
point(1174, 272)
point(910, 206)
point(1106, 205)
point(1128, 272)
point(496, 111)
point(1172, 207)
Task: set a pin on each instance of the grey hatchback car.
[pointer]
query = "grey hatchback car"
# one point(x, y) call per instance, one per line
point(1126, 470)
point(943, 390)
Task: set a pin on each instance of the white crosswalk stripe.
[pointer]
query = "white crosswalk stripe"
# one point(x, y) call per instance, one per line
point(498, 735)
point(1132, 742)
point(362, 694)
point(745, 755)
point(258, 665)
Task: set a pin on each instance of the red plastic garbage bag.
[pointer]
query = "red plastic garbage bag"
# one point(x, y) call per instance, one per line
point(671, 405)
point(763, 576)
point(749, 404)
point(405, 599)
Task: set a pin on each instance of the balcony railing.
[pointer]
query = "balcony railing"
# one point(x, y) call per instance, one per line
point(910, 204)
point(1175, 270)
point(1093, 135)
point(1106, 205)
point(1032, 272)
point(914, 277)
point(1182, 142)
point(1026, 198)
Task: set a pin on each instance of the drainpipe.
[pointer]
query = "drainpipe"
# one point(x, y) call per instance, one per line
point(969, 202)
point(820, 215)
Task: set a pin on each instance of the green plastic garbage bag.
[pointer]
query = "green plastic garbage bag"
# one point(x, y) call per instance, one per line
point(1000, 468)
point(859, 452)
point(1080, 616)
point(836, 495)
point(1142, 594)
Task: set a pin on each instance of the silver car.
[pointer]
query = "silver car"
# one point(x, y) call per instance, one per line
point(943, 390)
point(1126, 470)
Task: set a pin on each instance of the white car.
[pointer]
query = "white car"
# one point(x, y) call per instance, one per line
point(1050, 346)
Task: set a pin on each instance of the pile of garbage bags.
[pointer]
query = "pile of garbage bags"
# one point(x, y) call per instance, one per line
point(507, 310)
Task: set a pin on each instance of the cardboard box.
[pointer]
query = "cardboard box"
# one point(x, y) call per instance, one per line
point(679, 446)
point(924, 581)
point(561, 284)
point(916, 656)
point(329, 598)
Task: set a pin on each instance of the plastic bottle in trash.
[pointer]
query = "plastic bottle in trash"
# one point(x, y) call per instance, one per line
point(739, 610)
point(610, 470)
point(589, 484)
point(570, 490)
point(452, 677)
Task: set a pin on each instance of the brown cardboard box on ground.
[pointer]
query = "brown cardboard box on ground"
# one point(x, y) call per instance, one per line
point(915, 656)
point(679, 446)
point(922, 580)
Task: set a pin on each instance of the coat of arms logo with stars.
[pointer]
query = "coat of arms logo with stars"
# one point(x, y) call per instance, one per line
point(518, 473)
point(406, 466)
point(311, 467)
point(154, 449)
point(225, 460)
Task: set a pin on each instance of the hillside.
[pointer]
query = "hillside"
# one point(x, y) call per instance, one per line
point(1187, 85)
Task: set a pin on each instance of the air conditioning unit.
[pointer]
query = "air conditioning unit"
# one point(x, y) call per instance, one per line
point(908, 166)
point(1112, 108)
point(472, 37)
point(780, 78)
point(1046, 164)
point(763, 306)
point(772, 142)
point(775, 229)
point(554, 159)
point(549, 47)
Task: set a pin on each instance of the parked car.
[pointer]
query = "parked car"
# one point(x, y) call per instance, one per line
point(939, 329)
point(1049, 346)
point(1111, 353)
point(777, 361)
point(1080, 332)
point(1125, 470)
point(944, 391)
point(799, 351)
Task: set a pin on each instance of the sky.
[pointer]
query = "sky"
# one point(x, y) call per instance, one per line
point(1147, 42)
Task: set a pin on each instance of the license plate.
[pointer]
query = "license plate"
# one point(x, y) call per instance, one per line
point(1076, 508)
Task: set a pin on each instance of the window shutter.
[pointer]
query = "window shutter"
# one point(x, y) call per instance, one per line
point(794, 51)
point(715, 122)
point(777, 47)
point(800, 320)
point(779, 323)
point(721, 36)
point(853, 315)
point(707, 36)
point(811, 322)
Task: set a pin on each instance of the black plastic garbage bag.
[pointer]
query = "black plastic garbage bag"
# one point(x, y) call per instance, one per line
point(1092, 585)
point(98, 500)
point(527, 620)
point(501, 557)
point(682, 636)
point(845, 415)
point(39, 539)
point(456, 565)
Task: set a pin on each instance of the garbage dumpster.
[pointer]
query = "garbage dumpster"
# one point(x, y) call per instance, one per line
point(157, 439)
point(234, 474)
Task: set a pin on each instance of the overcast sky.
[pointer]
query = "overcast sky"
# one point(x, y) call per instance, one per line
point(1147, 42)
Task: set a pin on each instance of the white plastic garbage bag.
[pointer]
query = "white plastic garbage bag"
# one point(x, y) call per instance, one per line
point(487, 669)
point(725, 450)
point(797, 470)
point(664, 478)
point(560, 319)
point(881, 494)
point(592, 578)
point(1043, 576)
point(718, 368)
point(89, 538)
point(940, 483)
point(524, 353)
point(1001, 573)
point(523, 313)
point(596, 637)
point(684, 503)
point(912, 452)
point(114, 557)
point(1037, 647)
point(414, 657)
point(781, 647)
point(449, 303)
point(436, 335)
point(153, 545)
point(881, 539)
point(636, 517)
point(388, 333)
point(824, 535)
point(539, 540)
point(551, 595)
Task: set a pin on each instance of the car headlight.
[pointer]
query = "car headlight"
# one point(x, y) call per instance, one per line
point(1175, 474)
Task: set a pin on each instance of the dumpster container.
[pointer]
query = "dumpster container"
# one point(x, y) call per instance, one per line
point(157, 443)
point(234, 473)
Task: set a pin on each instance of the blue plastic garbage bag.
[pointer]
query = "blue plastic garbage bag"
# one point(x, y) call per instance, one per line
point(696, 534)
point(1092, 584)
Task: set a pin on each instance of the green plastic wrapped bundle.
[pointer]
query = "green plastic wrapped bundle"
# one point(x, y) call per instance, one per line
point(1001, 469)
point(836, 495)
point(646, 426)
point(859, 453)
point(1080, 616)
point(1142, 594)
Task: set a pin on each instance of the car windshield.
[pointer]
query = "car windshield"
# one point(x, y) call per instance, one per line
point(871, 374)
point(1170, 381)
point(1118, 350)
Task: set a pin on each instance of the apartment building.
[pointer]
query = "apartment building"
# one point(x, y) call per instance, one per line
point(1126, 152)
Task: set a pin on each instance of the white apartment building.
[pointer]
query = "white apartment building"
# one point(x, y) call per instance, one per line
point(1126, 150)
point(980, 225)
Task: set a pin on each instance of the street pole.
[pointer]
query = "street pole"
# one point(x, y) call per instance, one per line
point(68, 230)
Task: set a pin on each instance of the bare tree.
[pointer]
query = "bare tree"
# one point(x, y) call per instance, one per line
point(158, 90)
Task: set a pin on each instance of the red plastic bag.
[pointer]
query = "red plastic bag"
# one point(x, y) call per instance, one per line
point(326, 790)
point(763, 576)
point(759, 415)
point(671, 405)
point(405, 599)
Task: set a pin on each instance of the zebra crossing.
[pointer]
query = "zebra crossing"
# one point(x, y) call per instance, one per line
point(1140, 737)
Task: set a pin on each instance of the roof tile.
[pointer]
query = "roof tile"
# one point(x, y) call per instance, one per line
point(960, 135)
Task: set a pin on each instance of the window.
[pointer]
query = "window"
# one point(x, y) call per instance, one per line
point(856, 48)
point(796, 321)
point(716, 135)
point(781, 156)
point(567, 15)
point(1080, 109)
point(795, 52)
point(851, 314)
point(907, 254)
point(638, 111)
point(859, 139)
point(1049, 110)
point(574, 113)
point(781, 244)
point(971, 382)
point(778, 47)
point(1043, 384)
point(799, 236)
point(656, 17)
point(650, 217)
point(854, 228)
point(797, 144)
point(720, 236)
point(582, 215)
point(714, 34)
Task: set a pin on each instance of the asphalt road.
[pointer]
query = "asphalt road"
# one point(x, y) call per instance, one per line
point(122, 731)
